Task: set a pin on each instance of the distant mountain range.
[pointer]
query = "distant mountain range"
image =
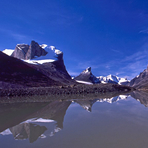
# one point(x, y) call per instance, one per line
point(88, 78)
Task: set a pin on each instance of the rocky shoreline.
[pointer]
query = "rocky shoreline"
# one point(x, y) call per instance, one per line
point(64, 91)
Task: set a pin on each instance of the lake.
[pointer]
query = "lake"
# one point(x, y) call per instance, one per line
point(116, 122)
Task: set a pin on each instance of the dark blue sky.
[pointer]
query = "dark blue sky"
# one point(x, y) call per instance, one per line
point(111, 36)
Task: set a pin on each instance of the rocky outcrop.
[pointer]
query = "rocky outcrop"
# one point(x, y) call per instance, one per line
point(27, 52)
point(87, 76)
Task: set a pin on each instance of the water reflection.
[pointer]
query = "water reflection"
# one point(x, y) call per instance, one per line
point(24, 120)
point(141, 96)
point(27, 130)
point(31, 113)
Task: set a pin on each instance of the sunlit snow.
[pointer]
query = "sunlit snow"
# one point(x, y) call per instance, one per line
point(84, 82)
point(8, 51)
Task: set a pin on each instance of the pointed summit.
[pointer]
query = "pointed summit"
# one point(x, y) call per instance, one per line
point(87, 70)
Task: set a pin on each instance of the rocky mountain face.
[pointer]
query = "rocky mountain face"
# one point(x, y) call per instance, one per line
point(87, 76)
point(26, 52)
point(18, 69)
point(141, 81)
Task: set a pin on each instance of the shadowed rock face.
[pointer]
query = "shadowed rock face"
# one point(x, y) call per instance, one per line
point(55, 70)
point(140, 81)
point(26, 52)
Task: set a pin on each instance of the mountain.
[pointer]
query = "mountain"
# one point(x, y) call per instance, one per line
point(33, 65)
point(17, 73)
point(87, 77)
point(113, 79)
point(140, 81)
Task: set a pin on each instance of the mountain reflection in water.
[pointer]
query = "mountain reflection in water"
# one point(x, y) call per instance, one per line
point(24, 120)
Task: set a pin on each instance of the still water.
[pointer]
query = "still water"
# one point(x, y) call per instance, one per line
point(117, 122)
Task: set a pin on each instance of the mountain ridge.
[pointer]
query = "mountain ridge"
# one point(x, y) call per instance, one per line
point(87, 77)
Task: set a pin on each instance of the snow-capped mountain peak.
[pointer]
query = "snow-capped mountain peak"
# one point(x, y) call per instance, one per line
point(87, 77)
point(35, 53)
point(113, 79)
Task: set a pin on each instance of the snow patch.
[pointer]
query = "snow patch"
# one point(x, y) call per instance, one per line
point(84, 82)
point(51, 56)
point(8, 51)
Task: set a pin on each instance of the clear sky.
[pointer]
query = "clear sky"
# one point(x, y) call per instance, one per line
point(111, 36)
